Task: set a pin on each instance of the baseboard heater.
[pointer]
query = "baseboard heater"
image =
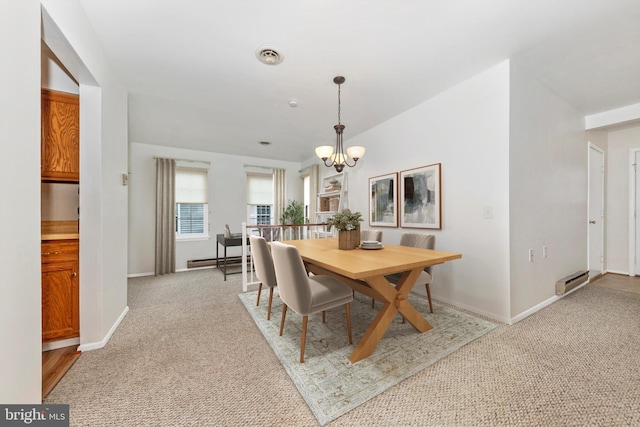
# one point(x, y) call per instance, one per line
point(570, 282)
point(196, 263)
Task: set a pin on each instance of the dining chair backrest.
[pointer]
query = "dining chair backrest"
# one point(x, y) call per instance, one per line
point(419, 240)
point(371, 235)
point(293, 282)
point(262, 261)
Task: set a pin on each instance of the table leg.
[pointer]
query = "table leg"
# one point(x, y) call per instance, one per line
point(225, 263)
point(374, 333)
point(404, 286)
point(395, 300)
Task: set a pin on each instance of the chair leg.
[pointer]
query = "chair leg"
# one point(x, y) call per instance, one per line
point(323, 318)
point(429, 297)
point(373, 303)
point(284, 314)
point(270, 300)
point(259, 292)
point(347, 307)
point(303, 340)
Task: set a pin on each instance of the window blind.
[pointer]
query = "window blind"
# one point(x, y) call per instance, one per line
point(259, 189)
point(191, 185)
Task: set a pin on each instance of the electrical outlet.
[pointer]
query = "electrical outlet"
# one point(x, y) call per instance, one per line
point(530, 255)
point(544, 252)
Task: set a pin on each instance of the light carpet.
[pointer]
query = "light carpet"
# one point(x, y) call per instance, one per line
point(329, 383)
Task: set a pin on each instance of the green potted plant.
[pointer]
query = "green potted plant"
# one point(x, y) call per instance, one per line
point(293, 213)
point(348, 225)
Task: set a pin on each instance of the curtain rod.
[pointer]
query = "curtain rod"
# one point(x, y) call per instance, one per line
point(184, 160)
point(260, 167)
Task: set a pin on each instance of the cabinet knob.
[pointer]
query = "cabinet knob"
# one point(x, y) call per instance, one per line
point(74, 274)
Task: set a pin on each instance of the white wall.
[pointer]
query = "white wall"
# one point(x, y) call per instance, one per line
point(617, 202)
point(20, 308)
point(548, 174)
point(466, 129)
point(227, 201)
point(103, 158)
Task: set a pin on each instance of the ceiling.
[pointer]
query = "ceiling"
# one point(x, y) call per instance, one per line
point(194, 80)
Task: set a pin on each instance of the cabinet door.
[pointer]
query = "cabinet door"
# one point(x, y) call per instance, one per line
point(60, 151)
point(60, 301)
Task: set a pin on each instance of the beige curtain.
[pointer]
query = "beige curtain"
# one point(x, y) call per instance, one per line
point(165, 216)
point(313, 189)
point(279, 193)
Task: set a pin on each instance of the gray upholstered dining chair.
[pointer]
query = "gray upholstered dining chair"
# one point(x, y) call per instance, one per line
point(306, 295)
point(263, 263)
point(371, 235)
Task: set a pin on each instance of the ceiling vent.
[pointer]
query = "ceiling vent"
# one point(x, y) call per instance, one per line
point(269, 55)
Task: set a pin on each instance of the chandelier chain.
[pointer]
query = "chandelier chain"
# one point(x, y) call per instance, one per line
point(339, 104)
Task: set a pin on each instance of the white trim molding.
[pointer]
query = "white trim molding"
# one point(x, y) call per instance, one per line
point(601, 217)
point(105, 340)
point(633, 152)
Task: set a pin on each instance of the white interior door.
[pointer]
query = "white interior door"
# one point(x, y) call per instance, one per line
point(596, 210)
point(636, 218)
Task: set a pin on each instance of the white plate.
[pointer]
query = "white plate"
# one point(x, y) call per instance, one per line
point(370, 247)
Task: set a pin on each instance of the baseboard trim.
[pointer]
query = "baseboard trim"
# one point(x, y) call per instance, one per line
point(105, 340)
point(471, 309)
point(544, 304)
point(129, 276)
point(624, 273)
point(182, 270)
point(54, 345)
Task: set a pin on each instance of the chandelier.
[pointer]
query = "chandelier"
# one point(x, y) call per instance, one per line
point(338, 158)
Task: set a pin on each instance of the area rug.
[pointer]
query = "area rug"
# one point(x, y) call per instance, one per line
point(329, 383)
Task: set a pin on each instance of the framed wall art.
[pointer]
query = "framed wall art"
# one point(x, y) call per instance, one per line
point(420, 194)
point(383, 201)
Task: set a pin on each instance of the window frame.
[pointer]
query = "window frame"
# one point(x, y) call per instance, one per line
point(205, 208)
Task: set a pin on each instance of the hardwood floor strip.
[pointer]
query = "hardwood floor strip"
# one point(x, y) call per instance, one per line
point(56, 363)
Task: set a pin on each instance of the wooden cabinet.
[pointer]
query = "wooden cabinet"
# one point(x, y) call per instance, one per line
point(60, 290)
point(60, 144)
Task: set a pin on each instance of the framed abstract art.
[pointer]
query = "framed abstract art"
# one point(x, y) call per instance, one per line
point(383, 201)
point(420, 195)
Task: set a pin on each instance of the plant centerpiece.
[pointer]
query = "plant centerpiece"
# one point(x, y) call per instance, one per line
point(348, 225)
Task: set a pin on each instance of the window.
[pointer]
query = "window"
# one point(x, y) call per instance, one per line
point(263, 214)
point(192, 209)
point(259, 199)
point(190, 218)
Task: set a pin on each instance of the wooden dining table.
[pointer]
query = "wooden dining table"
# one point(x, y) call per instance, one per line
point(365, 270)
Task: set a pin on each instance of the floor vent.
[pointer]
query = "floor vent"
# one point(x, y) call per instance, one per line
point(196, 263)
point(568, 283)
